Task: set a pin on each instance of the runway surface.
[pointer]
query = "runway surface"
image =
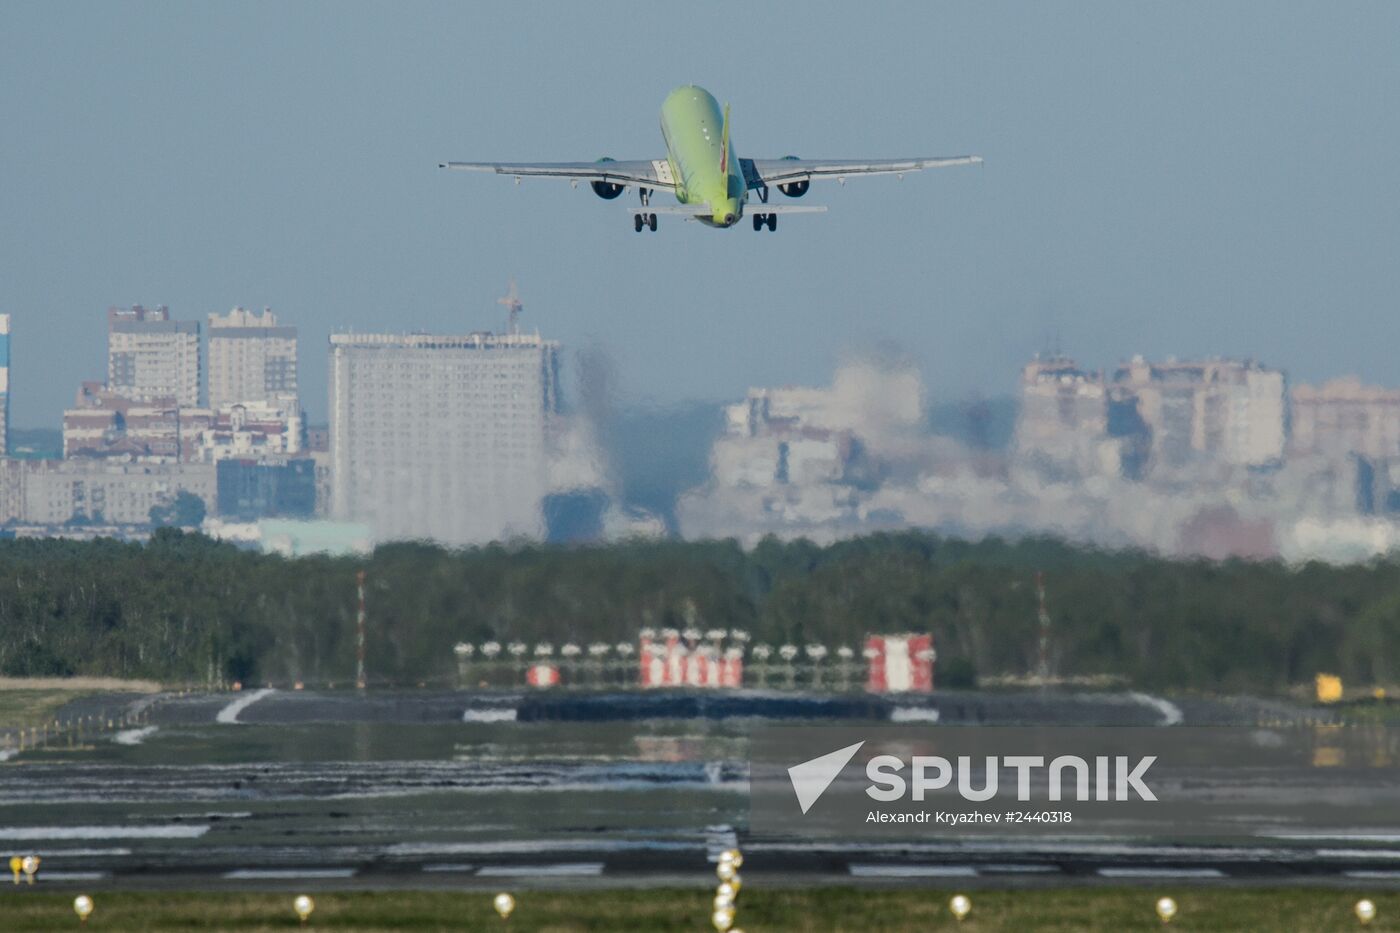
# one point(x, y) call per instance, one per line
point(442, 789)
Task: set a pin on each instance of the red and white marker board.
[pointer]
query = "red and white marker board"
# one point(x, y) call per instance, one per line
point(542, 675)
point(669, 662)
point(900, 663)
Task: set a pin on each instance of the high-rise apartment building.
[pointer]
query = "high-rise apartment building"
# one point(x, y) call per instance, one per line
point(149, 356)
point(441, 437)
point(1064, 415)
point(1231, 411)
point(251, 359)
point(1171, 415)
point(4, 385)
point(1344, 417)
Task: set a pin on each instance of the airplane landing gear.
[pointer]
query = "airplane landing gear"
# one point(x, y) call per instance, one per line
point(643, 220)
point(768, 220)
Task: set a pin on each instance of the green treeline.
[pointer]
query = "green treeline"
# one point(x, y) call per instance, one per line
point(184, 608)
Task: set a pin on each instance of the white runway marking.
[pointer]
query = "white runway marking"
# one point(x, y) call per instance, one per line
point(913, 714)
point(134, 736)
point(28, 833)
point(1018, 869)
point(1161, 873)
point(1358, 853)
point(292, 874)
point(74, 875)
point(1373, 875)
point(454, 869)
point(229, 714)
point(860, 870)
point(564, 870)
point(1340, 836)
point(489, 715)
point(1171, 713)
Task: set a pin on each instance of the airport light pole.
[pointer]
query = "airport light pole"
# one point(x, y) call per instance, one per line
point(360, 633)
point(1043, 619)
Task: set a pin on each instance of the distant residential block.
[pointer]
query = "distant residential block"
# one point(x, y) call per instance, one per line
point(247, 430)
point(4, 385)
point(441, 437)
point(1172, 415)
point(106, 424)
point(1346, 417)
point(251, 359)
point(150, 357)
point(98, 492)
point(1232, 411)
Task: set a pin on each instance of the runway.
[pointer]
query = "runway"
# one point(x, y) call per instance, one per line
point(432, 789)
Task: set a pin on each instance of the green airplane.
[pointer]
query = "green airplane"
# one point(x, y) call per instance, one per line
point(710, 184)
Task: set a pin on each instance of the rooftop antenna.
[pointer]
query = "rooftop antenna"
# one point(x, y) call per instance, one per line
point(511, 300)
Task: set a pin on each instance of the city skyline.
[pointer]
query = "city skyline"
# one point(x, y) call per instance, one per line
point(1234, 176)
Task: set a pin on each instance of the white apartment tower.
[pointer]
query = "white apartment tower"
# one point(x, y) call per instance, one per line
point(251, 359)
point(441, 437)
point(4, 385)
point(152, 357)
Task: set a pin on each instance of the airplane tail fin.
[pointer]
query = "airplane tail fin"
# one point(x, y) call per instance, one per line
point(724, 142)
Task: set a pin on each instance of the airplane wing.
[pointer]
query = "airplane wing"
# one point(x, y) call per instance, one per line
point(760, 172)
point(651, 174)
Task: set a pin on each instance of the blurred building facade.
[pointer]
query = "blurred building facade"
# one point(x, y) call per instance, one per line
point(1146, 417)
point(441, 437)
point(1344, 417)
point(4, 385)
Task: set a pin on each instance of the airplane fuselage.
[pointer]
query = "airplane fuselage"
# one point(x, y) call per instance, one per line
point(692, 124)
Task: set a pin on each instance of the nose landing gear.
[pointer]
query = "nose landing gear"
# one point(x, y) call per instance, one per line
point(768, 220)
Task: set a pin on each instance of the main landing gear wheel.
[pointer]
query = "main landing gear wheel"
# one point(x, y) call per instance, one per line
point(758, 221)
point(772, 222)
point(643, 220)
point(651, 222)
point(637, 222)
point(765, 220)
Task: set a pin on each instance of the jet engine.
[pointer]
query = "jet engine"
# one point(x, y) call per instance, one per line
point(606, 189)
point(795, 189)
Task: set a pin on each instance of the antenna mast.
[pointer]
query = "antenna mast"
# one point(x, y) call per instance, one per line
point(511, 300)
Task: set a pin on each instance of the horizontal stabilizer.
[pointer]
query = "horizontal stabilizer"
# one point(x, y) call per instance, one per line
point(688, 210)
point(704, 210)
point(785, 209)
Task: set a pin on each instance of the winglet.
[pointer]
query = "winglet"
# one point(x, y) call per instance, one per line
point(724, 142)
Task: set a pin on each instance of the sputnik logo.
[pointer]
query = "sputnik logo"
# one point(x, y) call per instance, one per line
point(811, 778)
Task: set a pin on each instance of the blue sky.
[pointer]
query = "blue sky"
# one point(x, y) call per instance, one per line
point(1185, 178)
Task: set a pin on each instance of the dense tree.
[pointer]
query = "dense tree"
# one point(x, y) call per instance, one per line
point(186, 510)
point(185, 608)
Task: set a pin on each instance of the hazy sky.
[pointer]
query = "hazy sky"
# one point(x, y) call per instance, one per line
point(1175, 178)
